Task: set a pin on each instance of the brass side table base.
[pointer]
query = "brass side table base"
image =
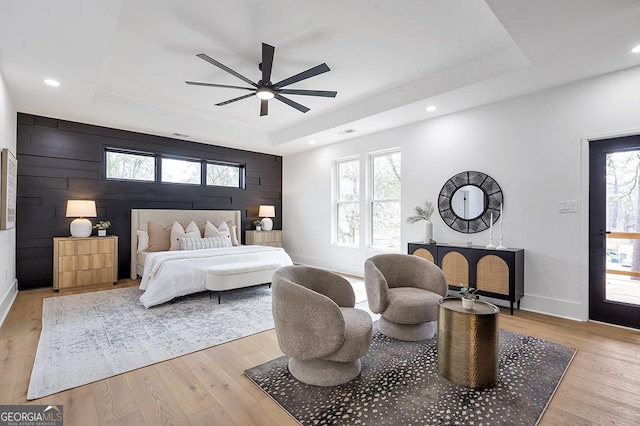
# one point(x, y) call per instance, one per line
point(468, 343)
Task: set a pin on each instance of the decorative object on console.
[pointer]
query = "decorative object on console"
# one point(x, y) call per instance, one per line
point(424, 213)
point(467, 200)
point(81, 209)
point(500, 246)
point(267, 212)
point(490, 245)
point(102, 227)
point(258, 225)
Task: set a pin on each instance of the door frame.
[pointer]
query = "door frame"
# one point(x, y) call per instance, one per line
point(584, 211)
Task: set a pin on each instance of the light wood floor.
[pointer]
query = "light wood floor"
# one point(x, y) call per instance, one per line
point(602, 385)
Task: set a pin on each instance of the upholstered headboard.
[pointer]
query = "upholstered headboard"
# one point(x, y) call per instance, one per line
point(140, 217)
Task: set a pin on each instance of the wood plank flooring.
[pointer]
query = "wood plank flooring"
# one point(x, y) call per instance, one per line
point(601, 387)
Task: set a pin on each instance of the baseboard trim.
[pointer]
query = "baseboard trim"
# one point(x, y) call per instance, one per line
point(7, 301)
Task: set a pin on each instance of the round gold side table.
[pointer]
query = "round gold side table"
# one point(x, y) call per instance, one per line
point(468, 343)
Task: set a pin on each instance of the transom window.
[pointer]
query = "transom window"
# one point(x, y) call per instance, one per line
point(125, 165)
point(224, 175)
point(175, 170)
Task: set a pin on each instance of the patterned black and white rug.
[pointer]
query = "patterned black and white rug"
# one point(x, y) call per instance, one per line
point(400, 385)
point(92, 336)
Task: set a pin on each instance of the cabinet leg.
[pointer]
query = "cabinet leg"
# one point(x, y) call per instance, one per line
point(518, 304)
point(511, 303)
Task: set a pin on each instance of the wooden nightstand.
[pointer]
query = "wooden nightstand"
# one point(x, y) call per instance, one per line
point(81, 262)
point(263, 238)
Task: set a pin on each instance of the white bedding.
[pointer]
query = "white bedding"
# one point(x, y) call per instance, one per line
point(169, 274)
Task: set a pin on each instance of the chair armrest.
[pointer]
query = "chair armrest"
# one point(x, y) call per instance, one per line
point(377, 288)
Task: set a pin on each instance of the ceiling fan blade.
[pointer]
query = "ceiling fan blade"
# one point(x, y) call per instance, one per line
point(235, 99)
point(311, 72)
point(264, 107)
point(267, 61)
point(326, 93)
point(291, 103)
point(195, 83)
point(225, 68)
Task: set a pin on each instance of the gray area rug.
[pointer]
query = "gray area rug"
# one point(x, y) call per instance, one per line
point(92, 336)
point(400, 385)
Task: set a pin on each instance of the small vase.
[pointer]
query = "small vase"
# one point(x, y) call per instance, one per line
point(467, 303)
point(102, 232)
point(258, 228)
point(428, 231)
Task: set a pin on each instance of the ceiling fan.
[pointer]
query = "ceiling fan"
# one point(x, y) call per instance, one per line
point(265, 89)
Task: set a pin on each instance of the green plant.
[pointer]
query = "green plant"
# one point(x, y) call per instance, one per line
point(467, 292)
point(257, 223)
point(103, 224)
point(422, 213)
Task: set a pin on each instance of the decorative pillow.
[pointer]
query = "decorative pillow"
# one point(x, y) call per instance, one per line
point(234, 235)
point(204, 243)
point(143, 240)
point(159, 237)
point(210, 230)
point(177, 232)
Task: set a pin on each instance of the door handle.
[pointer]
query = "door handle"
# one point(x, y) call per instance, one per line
point(601, 232)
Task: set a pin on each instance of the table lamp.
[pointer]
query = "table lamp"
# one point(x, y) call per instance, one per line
point(267, 212)
point(80, 209)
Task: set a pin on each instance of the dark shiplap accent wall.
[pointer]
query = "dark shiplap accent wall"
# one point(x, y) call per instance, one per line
point(61, 160)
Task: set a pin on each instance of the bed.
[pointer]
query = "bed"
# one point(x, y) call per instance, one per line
point(168, 274)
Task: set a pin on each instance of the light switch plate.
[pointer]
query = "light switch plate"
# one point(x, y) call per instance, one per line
point(567, 206)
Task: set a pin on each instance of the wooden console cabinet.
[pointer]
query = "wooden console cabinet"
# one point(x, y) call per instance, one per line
point(263, 238)
point(81, 262)
point(495, 273)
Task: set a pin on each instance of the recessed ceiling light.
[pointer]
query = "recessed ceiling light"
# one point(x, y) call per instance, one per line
point(52, 82)
point(311, 142)
point(636, 49)
point(431, 108)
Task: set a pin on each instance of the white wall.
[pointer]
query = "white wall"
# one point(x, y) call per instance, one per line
point(8, 283)
point(531, 145)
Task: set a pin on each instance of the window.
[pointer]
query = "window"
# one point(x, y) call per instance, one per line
point(385, 200)
point(224, 175)
point(129, 165)
point(348, 202)
point(181, 171)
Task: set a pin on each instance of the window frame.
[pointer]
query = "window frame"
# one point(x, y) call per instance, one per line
point(178, 158)
point(338, 203)
point(241, 173)
point(372, 201)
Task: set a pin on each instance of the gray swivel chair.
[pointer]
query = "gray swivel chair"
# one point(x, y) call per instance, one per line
point(404, 290)
point(317, 325)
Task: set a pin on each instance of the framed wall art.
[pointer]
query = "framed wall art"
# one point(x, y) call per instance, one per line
point(9, 189)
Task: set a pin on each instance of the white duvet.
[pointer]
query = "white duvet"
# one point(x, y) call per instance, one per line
point(169, 274)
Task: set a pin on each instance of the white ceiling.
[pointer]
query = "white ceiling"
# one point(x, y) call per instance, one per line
point(123, 63)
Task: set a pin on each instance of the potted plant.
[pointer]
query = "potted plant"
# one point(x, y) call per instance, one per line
point(468, 296)
point(258, 225)
point(424, 213)
point(102, 227)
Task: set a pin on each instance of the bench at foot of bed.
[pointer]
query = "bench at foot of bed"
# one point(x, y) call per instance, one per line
point(230, 276)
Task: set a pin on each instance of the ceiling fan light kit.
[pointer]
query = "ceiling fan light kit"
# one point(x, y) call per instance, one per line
point(264, 89)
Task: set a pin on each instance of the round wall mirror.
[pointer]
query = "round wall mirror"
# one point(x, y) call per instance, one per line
point(467, 201)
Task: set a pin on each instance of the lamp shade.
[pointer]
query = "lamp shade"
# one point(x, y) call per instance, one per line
point(267, 211)
point(81, 208)
point(81, 227)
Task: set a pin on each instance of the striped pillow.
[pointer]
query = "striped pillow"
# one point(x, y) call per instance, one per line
point(204, 243)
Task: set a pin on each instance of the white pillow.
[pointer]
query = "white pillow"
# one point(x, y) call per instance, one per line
point(143, 240)
point(177, 232)
point(234, 236)
point(204, 243)
point(210, 230)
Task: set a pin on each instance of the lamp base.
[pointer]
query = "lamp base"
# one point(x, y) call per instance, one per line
point(80, 228)
point(267, 224)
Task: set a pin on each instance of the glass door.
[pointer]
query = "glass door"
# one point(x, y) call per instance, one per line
point(614, 226)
